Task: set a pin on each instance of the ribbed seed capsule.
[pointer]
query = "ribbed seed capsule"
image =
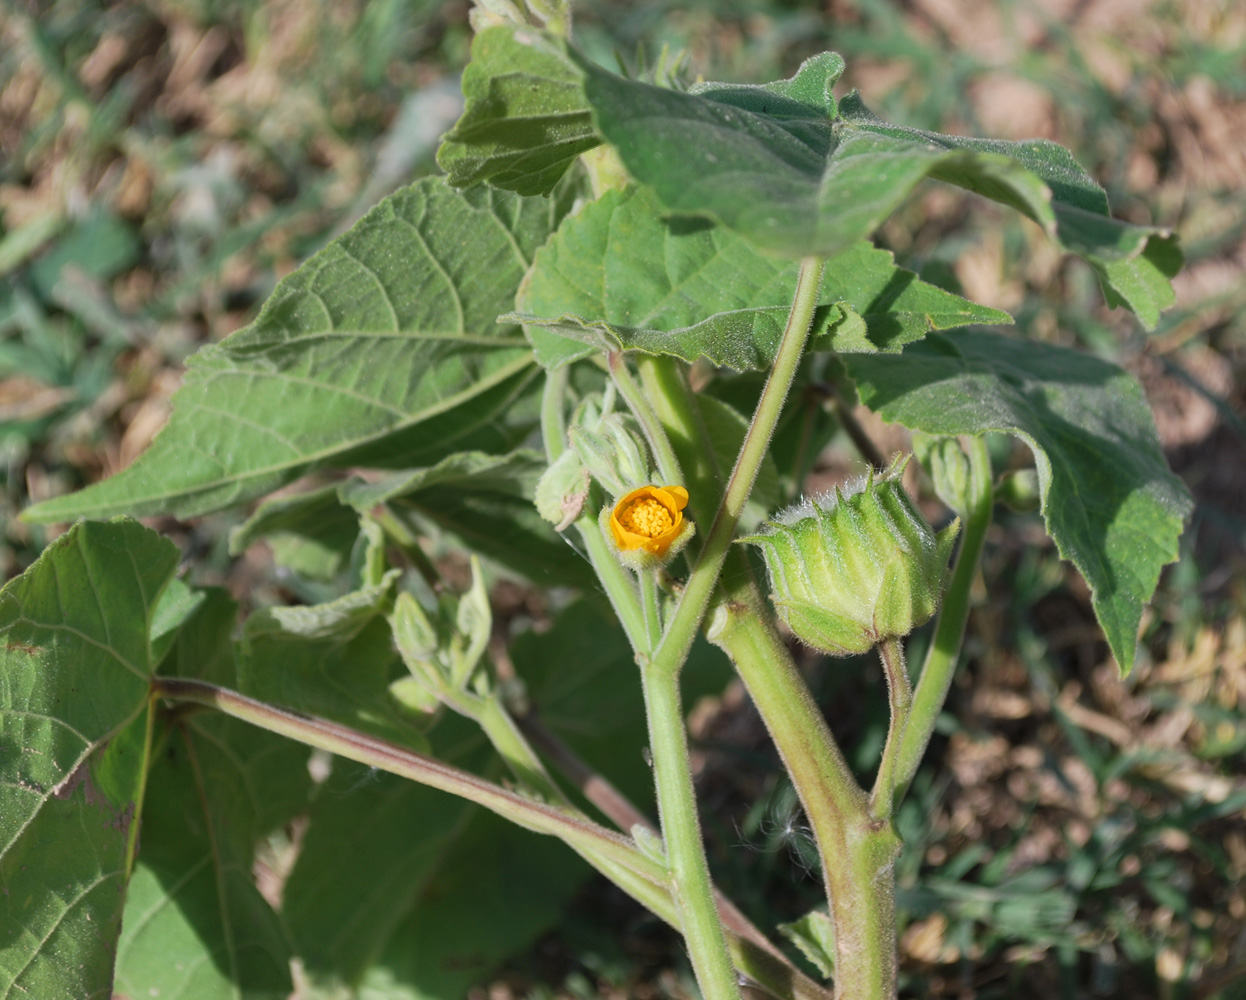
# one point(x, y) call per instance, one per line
point(849, 570)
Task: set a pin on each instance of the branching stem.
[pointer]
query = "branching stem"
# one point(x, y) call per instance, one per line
point(681, 829)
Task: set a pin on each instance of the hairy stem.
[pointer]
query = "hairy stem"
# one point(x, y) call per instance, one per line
point(681, 828)
point(626, 816)
point(692, 605)
point(857, 853)
point(616, 581)
point(900, 692)
point(690, 879)
point(652, 608)
point(752, 954)
point(936, 677)
point(554, 413)
point(647, 417)
point(406, 763)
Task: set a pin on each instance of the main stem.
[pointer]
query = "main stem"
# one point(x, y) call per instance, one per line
point(751, 953)
point(681, 828)
point(858, 852)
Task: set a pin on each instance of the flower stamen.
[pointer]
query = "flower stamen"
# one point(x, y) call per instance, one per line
point(646, 516)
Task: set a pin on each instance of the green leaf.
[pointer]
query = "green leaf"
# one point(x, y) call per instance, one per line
point(493, 894)
point(74, 679)
point(1108, 498)
point(513, 474)
point(373, 841)
point(498, 526)
point(310, 533)
point(525, 119)
point(381, 350)
point(196, 926)
point(1134, 263)
point(178, 603)
point(814, 935)
point(621, 276)
point(334, 660)
point(798, 176)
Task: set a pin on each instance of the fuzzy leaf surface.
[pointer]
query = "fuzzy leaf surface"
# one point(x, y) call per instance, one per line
point(333, 660)
point(620, 276)
point(514, 474)
point(1109, 500)
point(383, 349)
point(373, 841)
point(798, 175)
point(310, 533)
point(525, 119)
point(74, 678)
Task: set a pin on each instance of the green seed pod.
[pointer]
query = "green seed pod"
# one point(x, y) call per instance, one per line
point(851, 569)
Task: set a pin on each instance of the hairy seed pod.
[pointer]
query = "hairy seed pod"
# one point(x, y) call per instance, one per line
point(851, 569)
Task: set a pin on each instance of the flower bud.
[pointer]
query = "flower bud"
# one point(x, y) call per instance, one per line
point(647, 525)
point(610, 451)
point(948, 466)
point(850, 570)
point(1020, 491)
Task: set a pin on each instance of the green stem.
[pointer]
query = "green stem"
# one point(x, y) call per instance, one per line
point(900, 692)
point(554, 413)
point(626, 816)
point(647, 417)
point(409, 545)
point(615, 581)
point(385, 756)
point(681, 828)
point(652, 608)
point(507, 739)
point(666, 386)
point(140, 795)
point(691, 607)
point(858, 853)
point(936, 677)
point(690, 878)
point(751, 953)
point(828, 792)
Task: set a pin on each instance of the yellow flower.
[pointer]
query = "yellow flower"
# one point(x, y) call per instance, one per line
point(649, 518)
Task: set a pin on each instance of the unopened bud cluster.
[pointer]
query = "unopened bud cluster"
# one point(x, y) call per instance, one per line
point(851, 569)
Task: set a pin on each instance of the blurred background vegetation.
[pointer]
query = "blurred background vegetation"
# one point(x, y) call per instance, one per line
point(164, 163)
